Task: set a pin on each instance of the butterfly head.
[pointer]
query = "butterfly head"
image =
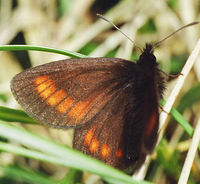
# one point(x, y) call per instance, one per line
point(147, 57)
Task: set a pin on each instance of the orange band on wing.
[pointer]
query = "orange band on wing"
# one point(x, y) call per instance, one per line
point(40, 88)
point(56, 97)
point(48, 91)
point(89, 135)
point(119, 153)
point(151, 123)
point(79, 110)
point(105, 151)
point(83, 107)
point(94, 145)
point(66, 104)
point(41, 79)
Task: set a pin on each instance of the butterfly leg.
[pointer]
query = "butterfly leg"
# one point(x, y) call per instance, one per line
point(170, 76)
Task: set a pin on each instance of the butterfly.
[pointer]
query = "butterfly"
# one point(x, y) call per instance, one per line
point(112, 103)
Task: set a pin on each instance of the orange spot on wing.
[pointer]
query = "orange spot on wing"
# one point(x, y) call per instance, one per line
point(66, 104)
point(105, 151)
point(56, 97)
point(94, 145)
point(47, 92)
point(89, 135)
point(151, 123)
point(79, 110)
point(41, 79)
point(40, 88)
point(119, 153)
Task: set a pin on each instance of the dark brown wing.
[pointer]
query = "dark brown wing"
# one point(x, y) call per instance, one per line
point(105, 136)
point(118, 134)
point(125, 129)
point(70, 92)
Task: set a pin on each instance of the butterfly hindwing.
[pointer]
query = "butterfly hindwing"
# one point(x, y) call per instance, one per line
point(105, 134)
point(115, 134)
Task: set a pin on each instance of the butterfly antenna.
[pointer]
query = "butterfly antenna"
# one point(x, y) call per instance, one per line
point(110, 22)
point(183, 27)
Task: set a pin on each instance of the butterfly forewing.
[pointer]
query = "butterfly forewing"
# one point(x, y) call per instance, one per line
point(69, 92)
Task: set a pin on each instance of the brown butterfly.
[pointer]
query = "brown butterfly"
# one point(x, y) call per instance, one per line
point(112, 103)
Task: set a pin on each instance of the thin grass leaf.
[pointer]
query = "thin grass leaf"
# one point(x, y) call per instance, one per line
point(191, 97)
point(71, 157)
point(19, 174)
point(40, 48)
point(168, 159)
point(64, 6)
point(3, 98)
point(180, 120)
point(32, 154)
point(13, 115)
point(73, 176)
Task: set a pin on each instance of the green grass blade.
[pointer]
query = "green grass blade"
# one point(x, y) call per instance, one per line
point(180, 120)
point(32, 154)
point(73, 176)
point(40, 48)
point(71, 157)
point(13, 115)
point(191, 97)
point(19, 174)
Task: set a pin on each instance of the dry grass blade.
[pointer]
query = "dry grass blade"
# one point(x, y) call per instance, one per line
point(190, 156)
point(179, 84)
